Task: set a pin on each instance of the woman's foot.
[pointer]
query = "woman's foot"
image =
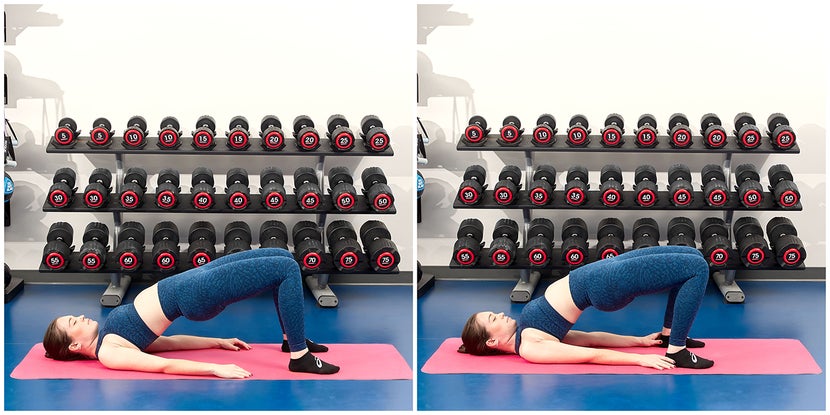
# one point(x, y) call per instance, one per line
point(687, 359)
point(309, 363)
point(690, 342)
point(312, 347)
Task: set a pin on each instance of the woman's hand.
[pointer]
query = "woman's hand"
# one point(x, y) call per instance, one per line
point(230, 372)
point(233, 344)
point(650, 340)
point(655, 361)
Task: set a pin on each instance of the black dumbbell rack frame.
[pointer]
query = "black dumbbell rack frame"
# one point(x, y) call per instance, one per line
point(529, 277)
point(120, 280)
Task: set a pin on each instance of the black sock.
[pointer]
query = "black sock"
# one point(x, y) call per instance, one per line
point(687, 359)
point(311, 364)
point(690, 342)
point(312, 347)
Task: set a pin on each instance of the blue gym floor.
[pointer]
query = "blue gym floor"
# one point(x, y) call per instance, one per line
point(366, 314)
point(772, 310)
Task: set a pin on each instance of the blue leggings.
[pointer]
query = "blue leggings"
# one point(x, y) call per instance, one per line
point(202, 293)
point(610, 284)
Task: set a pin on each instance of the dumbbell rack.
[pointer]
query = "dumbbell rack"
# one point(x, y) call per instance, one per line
point(120, 280)
point(529, 277)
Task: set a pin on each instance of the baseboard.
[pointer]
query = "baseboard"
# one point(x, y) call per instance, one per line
point(447, 273)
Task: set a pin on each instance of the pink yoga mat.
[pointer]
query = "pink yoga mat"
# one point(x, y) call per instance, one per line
point(731, 356)
point(264, 361)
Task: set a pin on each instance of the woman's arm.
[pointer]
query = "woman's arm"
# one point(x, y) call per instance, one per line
point(185, 342)
point(128, 358)
point(554, 351)
point(603, 339)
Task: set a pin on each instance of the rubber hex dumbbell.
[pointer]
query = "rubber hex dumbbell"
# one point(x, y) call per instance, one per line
point(681, 231)
point(782, 186)
point(202, 190)
point(714, 135)
point(343, 245)
point(204, 137)
point(715, 190)
point(308, 245)
point(271, 134)
point(340, 135)
point(747, 133)
point(714, 235)
point(375, 137)
point(132, 191)
point(468, 244)
point(272, 188)
point(611, 134)
point(135, 136)
point(66, 135)
point(169, 134)
point(342, 191)
point(237, 237)
point(780, 133)
point(645, 185)
point(511, 131)
point(505, 242)
point(539, 241)
point(750, 191)
point(476, 131)
point(101, 133)
point(96, 194)
point(749, 236)
point(377, 244)
point(377, 192)
point(610, 236)
point(238, 136)
point(201, 241)
point(540, 191)
point(645, 233)
point(167, 189)
point(680, 185)
point(130, 249)
point(507, 188)
point(611, 185)
point(236, 181)
point(165, 246)
point(93, 252)
point(578, 131)
point(472, 188)
point(307, 188)
point(576, 188)
point(544, 134)
point(680, 134)
point(63, 188)
point(273, 234)
point(58, 246)
point(574, 242)
point(788, 248)
point(646, 132)
point(308, 139)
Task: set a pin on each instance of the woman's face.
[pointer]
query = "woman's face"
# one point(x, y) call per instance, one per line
point(499, 326)
point(79, 328)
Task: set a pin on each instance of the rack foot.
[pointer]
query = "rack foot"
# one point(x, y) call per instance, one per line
point(116, 291)
point(322, 292)
point(524, 288)
point(730, 290)
point(425, 283)
point(14, 288)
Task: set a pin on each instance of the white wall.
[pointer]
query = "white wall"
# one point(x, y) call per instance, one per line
point(599, 57)
point(187, 59)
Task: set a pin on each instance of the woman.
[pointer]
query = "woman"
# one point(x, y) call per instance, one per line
point(543, 333)
point(132, 332)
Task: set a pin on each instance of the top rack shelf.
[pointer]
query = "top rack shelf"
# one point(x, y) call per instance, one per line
point(629, 146)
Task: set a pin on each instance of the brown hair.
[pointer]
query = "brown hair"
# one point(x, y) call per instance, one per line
point(474, 338)
point(56, 342)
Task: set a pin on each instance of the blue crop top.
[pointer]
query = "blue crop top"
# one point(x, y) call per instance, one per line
point(125, 322)
point(539, 314)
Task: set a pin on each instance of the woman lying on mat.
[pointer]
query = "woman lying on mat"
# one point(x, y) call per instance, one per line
point(543, 332)
point(132, 332)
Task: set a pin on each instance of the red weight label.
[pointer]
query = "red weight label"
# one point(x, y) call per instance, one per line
point(128, 260)
point(611, 197)
point(348, 260)
point(274, 200)
point(682, 138)
point(574, 257)
point(166, 260)
point(238, 200)
point(203, 139)
point(646, 198)
point(311, 260)
point(63, 135)
point(382, 202)
point(611, 137)
point(200, 259)
point(468, 195)
point(99, 136)
point(345, 201)
point(385, 261)
point(168, 138)
point(719, 256)
point(785, 139)
point(646, 137)
point(755, 256)
point(166, 199)
point(788, 199)
point(129, 199)
point(717, 198)
point(501, 257)
point(792, 256)
point(752, 198)
point(54, 260)
point(309, 141)
point(609, 253)
point(133, 137)
point(273, 140)
point(682, 197)
point(575, 196)
point(509, 133)
point(503, 195)
point(577, 135)
point(238, 139)
point(91, 262)
point(344, 141)
point(539, 196)
point(465, 257)
point(473, 133)
point(310, 201)
point(58, 198)
point(93, 199)
point(537, 256)
point(542, 135)
point(379, 142)
point(751, 139)
point(202, 200)
point(716, 138)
